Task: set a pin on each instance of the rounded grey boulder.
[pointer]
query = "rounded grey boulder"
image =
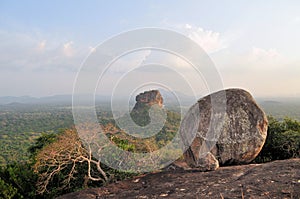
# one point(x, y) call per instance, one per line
point(231, 127)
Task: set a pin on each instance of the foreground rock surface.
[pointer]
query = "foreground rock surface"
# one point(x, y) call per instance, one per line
point(278, 179)
point(234, 135)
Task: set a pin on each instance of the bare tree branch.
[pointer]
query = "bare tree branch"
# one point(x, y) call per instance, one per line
point(64, 155)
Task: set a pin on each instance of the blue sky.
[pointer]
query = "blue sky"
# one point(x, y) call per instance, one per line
point(254, 44)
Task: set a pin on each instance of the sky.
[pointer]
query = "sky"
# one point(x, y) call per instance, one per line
point(254, 45)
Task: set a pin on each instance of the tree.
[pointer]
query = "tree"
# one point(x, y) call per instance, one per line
point(58, 165)
point(17, 180)
point(283, 140)
point(42, 141)
point(8, 191)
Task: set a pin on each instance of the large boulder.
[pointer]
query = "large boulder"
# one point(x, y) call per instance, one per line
point(147, 117)
point(229, 126)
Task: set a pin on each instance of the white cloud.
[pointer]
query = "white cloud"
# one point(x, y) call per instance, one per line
point(92, 49)
point(31, 64)
point(41, 45)
point(253, 59)
point(264, 58)
point(188, 26)
point(209, 40)
point(68, 49)
point(129, 62)
point(260, 53)
point(264, 72)
point(258, 69)
point(21, 52)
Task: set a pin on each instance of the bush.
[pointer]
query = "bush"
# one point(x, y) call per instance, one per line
point(8, 191)
point(17, 181)
point(283, 141)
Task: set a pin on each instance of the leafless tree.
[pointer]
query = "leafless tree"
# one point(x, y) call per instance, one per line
point(64, 155)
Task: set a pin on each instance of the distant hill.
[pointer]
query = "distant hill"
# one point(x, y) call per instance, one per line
point(21, 99)
point(55, 99)
point(270, 102)
point(34, 100)
point(281, 107)
point(277, 107)
point(170, 98)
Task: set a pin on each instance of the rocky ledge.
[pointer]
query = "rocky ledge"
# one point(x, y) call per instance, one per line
point(278, 179)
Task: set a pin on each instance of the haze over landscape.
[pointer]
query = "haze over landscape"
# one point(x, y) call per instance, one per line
point(254, 45)
point(149, 99)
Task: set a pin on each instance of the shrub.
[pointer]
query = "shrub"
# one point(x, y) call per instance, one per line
point(283, 140)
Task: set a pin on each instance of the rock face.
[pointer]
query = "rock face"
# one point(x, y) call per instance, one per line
point(227, 182)
point(208, 162)
point(144, 102)
point(238, 139)
point(148, 98)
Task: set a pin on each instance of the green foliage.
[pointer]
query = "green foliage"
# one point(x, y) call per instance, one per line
point(116, 175)
point(8, 191)
point(41, 142)
point(14, 147)
point(123, 143)
point(20, 126)
point(55, 187)
point(63, 165)
point(283, 140)
point(17, 181)
point(282, 108)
